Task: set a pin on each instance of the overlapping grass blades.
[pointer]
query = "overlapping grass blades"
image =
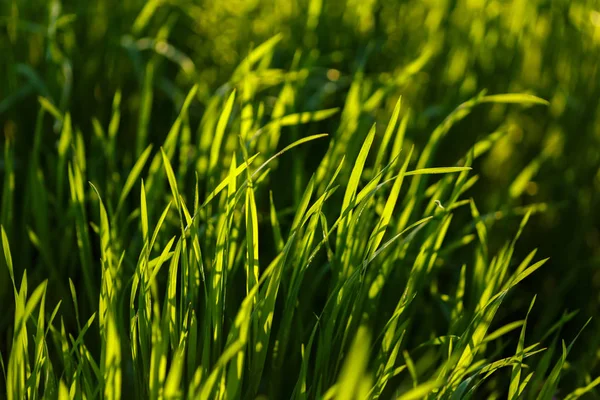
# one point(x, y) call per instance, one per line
point(365, 293)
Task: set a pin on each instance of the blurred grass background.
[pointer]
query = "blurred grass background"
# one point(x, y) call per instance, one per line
point(435, 53)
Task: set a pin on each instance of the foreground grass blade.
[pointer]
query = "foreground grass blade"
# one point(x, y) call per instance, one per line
point(354, 367)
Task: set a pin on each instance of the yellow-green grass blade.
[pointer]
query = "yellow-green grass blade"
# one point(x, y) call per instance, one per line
point(154, 176)
point(579, 392)
point(215, 149)
point(420, 392)
point(297, 119)
point(251, 218)
point(170, 304)
point(349, 195)
point(514, 98)
point(51, 108)
point(389, 131)
point(172, 388)
point(515, 378)
point(145, 15)
point(355, 366)
point(256, 55)
point(282, 151)
point(132, 177)
point(386, 216)
point(223, 184)
point(83, 239)
point(8, 259)
point(437, 170)
point(144, 213)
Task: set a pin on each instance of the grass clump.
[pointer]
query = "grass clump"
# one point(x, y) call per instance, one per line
point(236, 253)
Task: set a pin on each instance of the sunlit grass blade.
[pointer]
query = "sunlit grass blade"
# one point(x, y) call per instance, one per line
point(8, 259)
point(420, 392)
point(515, 384)
point(439, 170)
point(349, 195)
point(258, 53)
point(215, 149)
point(223, 184)
point(51, 108)
point(355, 366)
point(579, 392)
point(132, 177)
point(513, 98)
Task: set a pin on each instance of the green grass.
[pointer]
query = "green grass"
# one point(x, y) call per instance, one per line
point(225, 247)
point(190, 328)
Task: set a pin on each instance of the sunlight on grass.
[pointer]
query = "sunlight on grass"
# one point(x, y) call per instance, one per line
point(220, 223)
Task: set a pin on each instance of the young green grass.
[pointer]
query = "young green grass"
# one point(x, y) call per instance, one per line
point(377, 278)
